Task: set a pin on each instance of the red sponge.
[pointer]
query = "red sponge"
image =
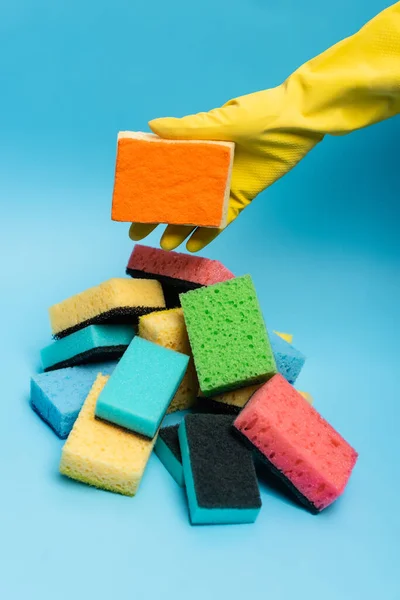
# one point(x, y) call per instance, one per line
point(177, 272)
point(297, 443)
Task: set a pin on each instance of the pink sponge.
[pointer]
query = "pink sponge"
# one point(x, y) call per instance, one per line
point(177, 272)
point(297, 443)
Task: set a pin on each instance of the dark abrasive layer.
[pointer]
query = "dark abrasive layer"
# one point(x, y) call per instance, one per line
point(208, 405)
point(120, 316)
point(169, 436)
point(102, 354)
point(171, 286)
point(222, 467)
point(277, 473)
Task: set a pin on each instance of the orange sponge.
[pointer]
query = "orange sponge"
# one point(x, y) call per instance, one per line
point(176, 182)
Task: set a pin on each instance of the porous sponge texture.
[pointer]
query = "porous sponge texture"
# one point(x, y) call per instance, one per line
point(177, 265)
point(84, 345)
point(104, 455)
point(228, 337)
point(114, 299)
point(298, 442)
point(168, 329)
point(289, 361)
point(58, 396)
point(176, 182)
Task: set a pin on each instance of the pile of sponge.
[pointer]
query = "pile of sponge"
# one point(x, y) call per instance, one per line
point(183, 333)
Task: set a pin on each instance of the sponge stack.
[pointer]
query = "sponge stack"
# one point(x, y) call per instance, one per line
point(210, 354)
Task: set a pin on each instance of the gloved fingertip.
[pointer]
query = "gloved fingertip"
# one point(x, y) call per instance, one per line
point(169, 243)
point(201, 238)
point(138, 231)
point(194, 246)
point(166, 127)
point(174, 236)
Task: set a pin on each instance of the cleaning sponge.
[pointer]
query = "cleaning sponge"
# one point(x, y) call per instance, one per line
point(103, 455)
point(231, 403)
point(169, 181)
point(289, 361)
point(58, 396)
point(219, 473)
point(228, 337)
point(114, 301)
point(142, 387)
point(167, 328)
point(168, 451)
point(297, 443)
point(91, 344)
point(177, 272)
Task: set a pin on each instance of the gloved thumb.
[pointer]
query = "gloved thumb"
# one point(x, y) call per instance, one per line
point(217, 125)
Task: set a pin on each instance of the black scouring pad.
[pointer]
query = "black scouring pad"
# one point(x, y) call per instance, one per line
point(171, 287)
point(209, 405)
point(96, 355)
point(219, 472)
point(168, 451)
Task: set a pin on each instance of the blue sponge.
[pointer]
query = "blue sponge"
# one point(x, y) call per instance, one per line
point(142, 386)
point(58, 396)
point(91, 344)
point(168, 451)
point(289, 361)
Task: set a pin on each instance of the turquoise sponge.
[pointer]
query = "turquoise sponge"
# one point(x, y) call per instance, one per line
point(219, 474)
point(142, 386)
point(169, 452)
point(227, 333)
point(91, 344)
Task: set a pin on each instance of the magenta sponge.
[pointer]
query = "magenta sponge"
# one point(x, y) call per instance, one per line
point(303, 449)
point(177, 272)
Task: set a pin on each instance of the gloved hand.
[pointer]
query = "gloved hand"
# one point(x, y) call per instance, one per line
point(353, 84)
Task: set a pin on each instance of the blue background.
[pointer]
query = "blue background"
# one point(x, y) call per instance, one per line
point(322, 246)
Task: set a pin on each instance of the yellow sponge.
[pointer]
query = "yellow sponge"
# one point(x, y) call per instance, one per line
point(116, 300)
point(104, 455)
point(307, 397)
point(167, 328)
point(288, 337)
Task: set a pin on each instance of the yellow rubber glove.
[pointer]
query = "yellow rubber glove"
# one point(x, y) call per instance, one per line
point(353, 84)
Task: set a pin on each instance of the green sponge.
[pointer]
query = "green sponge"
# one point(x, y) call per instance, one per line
point(227, 333)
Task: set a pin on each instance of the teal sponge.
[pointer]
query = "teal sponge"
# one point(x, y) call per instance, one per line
point(169, 452)
point(92, 344)
point(141, 387)
point(227, 333)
